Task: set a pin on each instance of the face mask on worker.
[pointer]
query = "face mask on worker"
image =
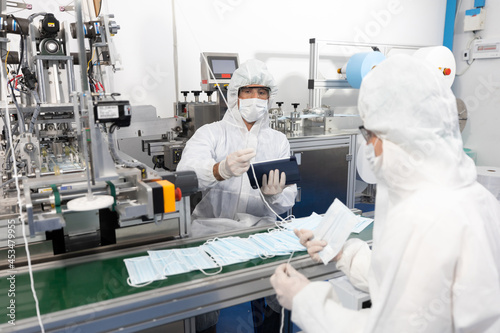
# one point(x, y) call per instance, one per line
point(374, 161)
point(253, 109)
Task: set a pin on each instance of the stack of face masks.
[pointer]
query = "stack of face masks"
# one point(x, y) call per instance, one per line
point(310, 222)
point(215, 253)
point(231, 250)
point(276, 243)
point(177, 261)
point(334, 227)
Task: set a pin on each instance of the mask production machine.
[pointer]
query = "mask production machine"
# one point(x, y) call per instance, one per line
point(77, 196)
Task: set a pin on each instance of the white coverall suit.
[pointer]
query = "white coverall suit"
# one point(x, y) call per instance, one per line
point(233, 204)
point(435, 260)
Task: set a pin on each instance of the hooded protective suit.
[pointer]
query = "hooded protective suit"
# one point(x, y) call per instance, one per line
point(435, 260)
point(233, 204)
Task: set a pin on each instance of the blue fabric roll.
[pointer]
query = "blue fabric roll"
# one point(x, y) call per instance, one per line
point(360, 64)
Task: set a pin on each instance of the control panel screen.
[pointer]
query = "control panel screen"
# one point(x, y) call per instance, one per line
point(223, 67)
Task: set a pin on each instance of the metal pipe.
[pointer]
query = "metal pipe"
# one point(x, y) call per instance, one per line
point(122, 187)
point(52, 173)
point(65, 197)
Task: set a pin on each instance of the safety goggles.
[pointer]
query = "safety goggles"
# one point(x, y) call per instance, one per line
point(254, 92)
point(366, 133)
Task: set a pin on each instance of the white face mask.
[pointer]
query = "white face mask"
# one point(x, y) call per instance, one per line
point(253, 109)
point(374, 161)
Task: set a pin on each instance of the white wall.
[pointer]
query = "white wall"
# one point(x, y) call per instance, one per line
point(479, 87)
point(276, 32)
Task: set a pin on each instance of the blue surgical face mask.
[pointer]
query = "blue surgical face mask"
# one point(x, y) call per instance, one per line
point(270, 244)
point(141, 271)
point(178, 261)
point(222, 253)
point(253, 109)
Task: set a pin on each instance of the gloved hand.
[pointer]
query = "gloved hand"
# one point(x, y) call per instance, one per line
point(236, 163)
point(287, 283)
point(275, 184)
point(314, 246)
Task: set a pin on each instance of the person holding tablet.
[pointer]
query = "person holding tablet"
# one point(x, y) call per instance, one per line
point(220, 154)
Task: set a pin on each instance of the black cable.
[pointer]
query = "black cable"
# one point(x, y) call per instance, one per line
point(112, 128)
point(23, 39)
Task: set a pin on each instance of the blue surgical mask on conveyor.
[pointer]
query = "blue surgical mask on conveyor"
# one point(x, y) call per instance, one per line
point(271, 244)
point(223, 253)
point(178, 261)
point(141, 271)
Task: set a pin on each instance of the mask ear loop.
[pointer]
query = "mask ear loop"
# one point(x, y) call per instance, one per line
point(140, 285)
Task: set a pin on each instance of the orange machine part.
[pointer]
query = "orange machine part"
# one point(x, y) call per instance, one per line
point(168, 195)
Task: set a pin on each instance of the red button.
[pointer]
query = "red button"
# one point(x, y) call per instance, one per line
point(178, 194)
point(447, 71)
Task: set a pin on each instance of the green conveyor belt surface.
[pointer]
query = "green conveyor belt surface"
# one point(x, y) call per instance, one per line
point(86, 283)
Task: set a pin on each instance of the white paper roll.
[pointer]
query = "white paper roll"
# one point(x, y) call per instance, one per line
point(489, 177)
point(442, 59)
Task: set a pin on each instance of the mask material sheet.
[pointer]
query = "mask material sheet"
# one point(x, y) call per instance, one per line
point(335, 227)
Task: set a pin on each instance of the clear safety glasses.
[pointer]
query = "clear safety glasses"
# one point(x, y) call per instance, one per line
point(254, 92)
point(366, 133)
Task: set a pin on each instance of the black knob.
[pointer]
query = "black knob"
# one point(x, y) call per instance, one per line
point(279, 104)
point(196, 92)
point(209, 93)
point(295, 105)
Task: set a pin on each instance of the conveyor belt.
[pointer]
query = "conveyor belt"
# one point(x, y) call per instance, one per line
point(91, 293)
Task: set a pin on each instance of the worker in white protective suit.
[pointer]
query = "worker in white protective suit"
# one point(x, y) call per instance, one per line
point(221, 152)
point(435, 259)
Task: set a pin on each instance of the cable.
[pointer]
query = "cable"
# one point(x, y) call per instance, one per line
point(283, 220)
point(92, 58)
point(468, 48)
point(114, 153)
point(7, 57)
point(36, 112)
point(282, 319)
point(26, 246)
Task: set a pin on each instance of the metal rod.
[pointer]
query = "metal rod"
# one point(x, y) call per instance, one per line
point(79, 195)
point(82, 58)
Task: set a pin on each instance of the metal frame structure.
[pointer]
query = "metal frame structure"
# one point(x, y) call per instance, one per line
point(315, 84)
point(319, 142)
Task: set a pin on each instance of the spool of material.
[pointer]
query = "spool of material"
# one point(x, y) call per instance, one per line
point(360, 64)
point(441, 58)
point(489, 177)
